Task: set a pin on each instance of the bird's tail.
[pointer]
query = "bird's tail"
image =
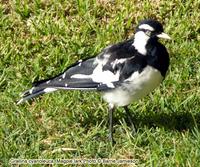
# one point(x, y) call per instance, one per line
point(56, 83)
point(34, 92)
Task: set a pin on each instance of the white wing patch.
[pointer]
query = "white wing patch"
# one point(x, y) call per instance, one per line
point(99, 75)
point(48, 90)
point(80, 76)
point(31, 90)
point(118, 61)
point(64, 75)
point(103, 60)
point(110, 85)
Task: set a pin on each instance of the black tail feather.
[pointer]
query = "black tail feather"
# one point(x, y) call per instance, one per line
point(31, 93)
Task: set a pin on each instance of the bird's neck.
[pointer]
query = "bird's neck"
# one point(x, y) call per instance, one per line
point(140, 42)
point(151, 44)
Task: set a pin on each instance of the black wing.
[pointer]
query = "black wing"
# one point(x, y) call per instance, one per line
point(83, 75)
point(107, 71)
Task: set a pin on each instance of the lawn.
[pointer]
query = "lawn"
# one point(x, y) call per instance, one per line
point(39, 39)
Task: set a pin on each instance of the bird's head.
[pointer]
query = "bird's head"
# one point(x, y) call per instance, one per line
point(146, 31)
point(151, 29)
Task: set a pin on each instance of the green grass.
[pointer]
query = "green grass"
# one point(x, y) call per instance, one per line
point(41, 38)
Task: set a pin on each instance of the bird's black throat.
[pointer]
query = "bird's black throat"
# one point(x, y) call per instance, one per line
point(157, 55)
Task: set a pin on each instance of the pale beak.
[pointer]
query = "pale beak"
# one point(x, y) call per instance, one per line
point(163, 35)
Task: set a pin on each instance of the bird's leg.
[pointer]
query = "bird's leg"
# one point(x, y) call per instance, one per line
point(111, 110)
point(130, 119)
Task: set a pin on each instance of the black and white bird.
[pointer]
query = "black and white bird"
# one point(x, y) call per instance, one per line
point(123, 72)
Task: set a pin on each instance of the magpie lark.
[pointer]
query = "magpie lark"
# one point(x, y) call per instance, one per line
point(123, 72)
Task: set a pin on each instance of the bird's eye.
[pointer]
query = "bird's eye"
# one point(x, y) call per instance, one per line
point(147, 32)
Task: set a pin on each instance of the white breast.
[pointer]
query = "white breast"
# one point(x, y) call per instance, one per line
point(135, 87)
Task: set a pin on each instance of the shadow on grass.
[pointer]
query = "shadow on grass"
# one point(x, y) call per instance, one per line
point(179, 121)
